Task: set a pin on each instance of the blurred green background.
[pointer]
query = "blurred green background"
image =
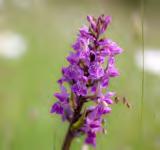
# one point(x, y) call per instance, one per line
point(43, 31)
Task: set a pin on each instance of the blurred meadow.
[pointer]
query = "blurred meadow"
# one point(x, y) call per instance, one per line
point(35, 38)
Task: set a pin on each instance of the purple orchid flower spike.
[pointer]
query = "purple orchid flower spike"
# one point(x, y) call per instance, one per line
point(87, 75)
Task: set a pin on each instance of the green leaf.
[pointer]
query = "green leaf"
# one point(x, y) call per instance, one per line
point(79, 123)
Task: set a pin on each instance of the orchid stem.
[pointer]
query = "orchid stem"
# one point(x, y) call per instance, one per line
point(68, 140)
point(70, 134)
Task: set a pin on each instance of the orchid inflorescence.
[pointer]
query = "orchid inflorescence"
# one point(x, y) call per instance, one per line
point(91, 65)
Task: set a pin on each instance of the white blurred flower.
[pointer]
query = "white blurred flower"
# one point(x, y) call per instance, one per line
point(12, 45)
point(151, 60)
point(85, 147)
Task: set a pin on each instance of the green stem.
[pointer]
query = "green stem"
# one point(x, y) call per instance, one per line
point(70, 134)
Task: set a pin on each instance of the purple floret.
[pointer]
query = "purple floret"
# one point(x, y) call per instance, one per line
point(96, 71)
point(91, 139)
point(57, 108)
point(79, 88)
